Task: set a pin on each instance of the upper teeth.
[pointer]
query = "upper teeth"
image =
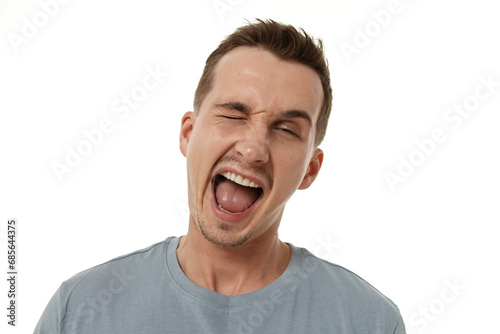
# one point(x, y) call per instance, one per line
point(240, 180)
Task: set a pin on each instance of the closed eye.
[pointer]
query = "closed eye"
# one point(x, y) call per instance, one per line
point(288, 131)
point(232, 117)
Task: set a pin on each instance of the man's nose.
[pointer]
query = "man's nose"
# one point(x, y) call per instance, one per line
point(253, 146)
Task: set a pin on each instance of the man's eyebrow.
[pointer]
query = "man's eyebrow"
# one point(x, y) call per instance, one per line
point(233, 106)
point(295, 114)
point(246, 109)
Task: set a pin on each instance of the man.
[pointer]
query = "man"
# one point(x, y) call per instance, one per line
point(260, 112)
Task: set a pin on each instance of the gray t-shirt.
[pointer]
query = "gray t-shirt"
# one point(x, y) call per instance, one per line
point(147, 292)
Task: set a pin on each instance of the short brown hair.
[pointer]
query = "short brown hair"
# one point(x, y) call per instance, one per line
point(286, 43)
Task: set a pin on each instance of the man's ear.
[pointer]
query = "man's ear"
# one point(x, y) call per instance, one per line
point(186, 129)
point(312, 169)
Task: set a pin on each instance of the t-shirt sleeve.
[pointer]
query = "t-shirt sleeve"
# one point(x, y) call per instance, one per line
point(53, 315)
point(400, 326)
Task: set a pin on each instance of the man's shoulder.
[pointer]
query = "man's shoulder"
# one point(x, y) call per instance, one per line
point(337, 283)
point(105, 290)
point(119, 271)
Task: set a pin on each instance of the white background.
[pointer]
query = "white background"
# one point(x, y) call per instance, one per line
point(435, 229)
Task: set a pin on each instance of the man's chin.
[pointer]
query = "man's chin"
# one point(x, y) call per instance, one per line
point(222, 235)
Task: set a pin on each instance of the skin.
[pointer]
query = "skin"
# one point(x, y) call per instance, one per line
point(258, 121)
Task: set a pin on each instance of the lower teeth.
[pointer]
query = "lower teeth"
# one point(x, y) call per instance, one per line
point(233, 213)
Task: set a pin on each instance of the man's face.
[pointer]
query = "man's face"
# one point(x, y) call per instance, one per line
point(251, 145)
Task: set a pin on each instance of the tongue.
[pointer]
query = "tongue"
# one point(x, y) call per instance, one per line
point(235, 198)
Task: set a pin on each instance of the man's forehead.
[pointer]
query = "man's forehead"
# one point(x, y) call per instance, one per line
point(258, 75)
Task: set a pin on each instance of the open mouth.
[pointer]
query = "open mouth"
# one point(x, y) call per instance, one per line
point(235, 194)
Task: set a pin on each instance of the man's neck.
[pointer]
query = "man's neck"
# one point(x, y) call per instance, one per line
point(232, 271)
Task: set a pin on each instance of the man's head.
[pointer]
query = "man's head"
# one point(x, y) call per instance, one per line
point(286, 43)
point(252, 140)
